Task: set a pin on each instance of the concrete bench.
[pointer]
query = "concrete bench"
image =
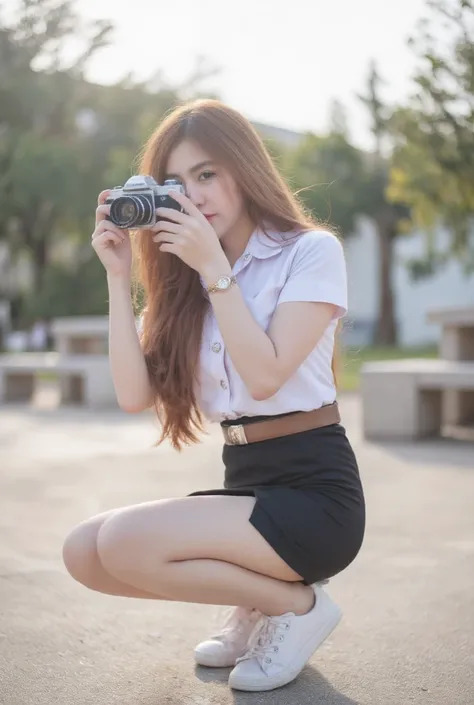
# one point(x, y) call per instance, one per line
point(403, 399)
point(457, 332)
point(83, 379)
point(81, 335)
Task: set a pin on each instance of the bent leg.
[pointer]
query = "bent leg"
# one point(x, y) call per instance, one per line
point(83, 563)
point(200, 549)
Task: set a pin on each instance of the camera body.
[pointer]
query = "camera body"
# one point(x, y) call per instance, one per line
point(134, 204)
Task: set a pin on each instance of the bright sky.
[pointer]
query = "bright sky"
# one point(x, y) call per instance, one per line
point(281, 62)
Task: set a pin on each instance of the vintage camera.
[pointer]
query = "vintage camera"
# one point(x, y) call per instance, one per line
point(134, 204)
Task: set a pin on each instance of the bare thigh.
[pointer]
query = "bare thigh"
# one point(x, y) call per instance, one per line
point(147, 536)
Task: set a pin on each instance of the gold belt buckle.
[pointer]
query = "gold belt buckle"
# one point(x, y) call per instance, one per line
point(236, 435)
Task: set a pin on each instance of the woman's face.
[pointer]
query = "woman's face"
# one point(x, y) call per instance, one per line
point(208, 185)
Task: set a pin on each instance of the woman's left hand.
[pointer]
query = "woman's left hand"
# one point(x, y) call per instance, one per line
point(189, 236)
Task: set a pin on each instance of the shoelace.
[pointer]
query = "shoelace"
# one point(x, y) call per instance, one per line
point(236, 621)
point(263, 646)
point(237, 618)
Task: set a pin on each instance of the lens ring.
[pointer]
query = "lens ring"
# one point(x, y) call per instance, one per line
point(124, 211)
point(131, 211)
point(146, 209)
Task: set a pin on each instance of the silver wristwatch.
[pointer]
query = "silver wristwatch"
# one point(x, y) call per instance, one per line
point(222, 284)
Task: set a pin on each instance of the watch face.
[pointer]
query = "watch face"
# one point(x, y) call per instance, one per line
point(223, 282)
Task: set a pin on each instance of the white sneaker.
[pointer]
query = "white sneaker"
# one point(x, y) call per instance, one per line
point(281, 646)
point(223, 649)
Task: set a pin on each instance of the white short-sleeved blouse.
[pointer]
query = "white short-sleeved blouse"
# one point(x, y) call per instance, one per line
point(310, 267)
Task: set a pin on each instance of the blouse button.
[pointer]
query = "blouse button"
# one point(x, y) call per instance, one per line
point(247, 257)
point(223, 384)
point(216, 347)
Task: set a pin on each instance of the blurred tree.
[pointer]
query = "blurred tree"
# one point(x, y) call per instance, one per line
point(337, 182)
point(433, 165)
point(388, 216)
point(40, 176)
point(69, 291)
point(64, 139)
point(325, 170)
point(338, 118)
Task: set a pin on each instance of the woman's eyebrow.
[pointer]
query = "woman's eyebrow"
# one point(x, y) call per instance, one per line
point(193, 169)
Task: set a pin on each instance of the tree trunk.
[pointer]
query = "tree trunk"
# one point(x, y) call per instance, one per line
point(40, 261)
point(37, 232)
point(386, 327)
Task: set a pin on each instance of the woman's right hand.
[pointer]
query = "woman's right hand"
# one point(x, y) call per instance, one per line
point(112, 244)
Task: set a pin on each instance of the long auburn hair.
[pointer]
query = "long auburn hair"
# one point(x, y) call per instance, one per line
point(175, 301)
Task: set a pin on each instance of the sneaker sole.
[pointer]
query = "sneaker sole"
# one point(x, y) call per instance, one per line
point(207, 660)
point(307, 650)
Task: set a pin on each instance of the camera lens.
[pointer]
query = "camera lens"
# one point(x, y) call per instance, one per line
point(131, 211)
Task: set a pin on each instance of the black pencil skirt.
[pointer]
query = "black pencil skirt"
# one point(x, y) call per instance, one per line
point(309, 498)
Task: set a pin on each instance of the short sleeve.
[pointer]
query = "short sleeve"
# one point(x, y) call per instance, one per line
point(317, 272)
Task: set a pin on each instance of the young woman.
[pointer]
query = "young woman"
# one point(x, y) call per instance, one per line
point(243, 297)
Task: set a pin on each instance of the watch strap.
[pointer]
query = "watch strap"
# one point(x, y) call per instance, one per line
point(214, 288)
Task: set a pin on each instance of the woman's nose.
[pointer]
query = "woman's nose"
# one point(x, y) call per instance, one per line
point(195, 195)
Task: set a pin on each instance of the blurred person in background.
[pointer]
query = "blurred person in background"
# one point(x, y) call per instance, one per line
point(243, 294)
point(39, 335)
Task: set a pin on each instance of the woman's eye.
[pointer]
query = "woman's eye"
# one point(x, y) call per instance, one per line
point(207, 175)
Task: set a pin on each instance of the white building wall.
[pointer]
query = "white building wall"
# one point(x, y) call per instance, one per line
point(362, 252)
point(450, 287)
point(413, 299)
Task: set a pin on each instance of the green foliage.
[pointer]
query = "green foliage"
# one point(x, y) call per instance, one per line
point(388, 214)
point(325, 171)
point(433, 162)
point(69, 291)
point(278, 152)
point(40, 149)
point(62, 141)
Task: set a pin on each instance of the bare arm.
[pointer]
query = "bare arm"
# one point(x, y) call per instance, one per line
point(314, 293)
point(266, 360)
point(127, 362)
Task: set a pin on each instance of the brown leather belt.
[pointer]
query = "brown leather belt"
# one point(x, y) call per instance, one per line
point(241, 434)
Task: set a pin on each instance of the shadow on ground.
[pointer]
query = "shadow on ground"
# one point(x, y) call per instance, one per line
point(310, 687)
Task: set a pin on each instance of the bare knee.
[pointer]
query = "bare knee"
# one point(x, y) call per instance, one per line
point(118, 545)
point(80, 553)
point(133, 541)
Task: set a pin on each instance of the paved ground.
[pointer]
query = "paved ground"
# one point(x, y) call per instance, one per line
point(408, 600)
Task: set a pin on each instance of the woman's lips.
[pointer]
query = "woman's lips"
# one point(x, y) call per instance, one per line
point(209, 217)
